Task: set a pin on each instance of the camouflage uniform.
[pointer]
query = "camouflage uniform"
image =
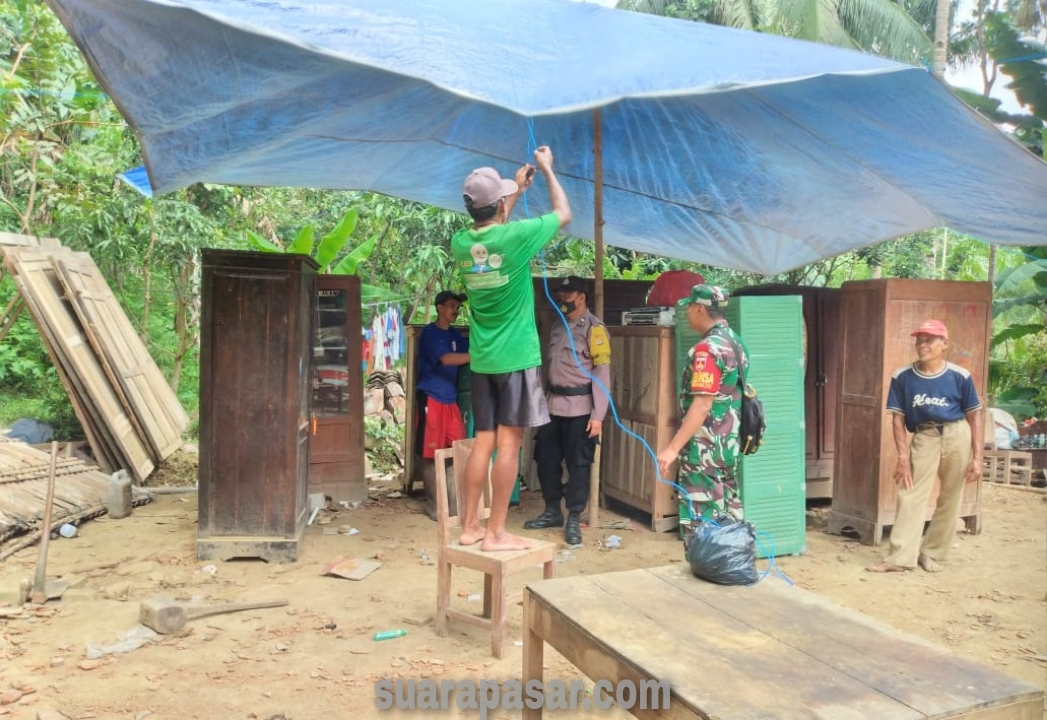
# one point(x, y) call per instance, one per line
point(709, 460)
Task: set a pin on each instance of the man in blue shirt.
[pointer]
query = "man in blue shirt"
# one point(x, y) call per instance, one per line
point(441, 351)
point(936, 401)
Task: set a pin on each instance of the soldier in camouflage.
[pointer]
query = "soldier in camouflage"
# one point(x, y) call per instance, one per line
point(710, 404)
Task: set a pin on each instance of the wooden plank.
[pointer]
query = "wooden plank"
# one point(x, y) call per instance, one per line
point(597, 659)
point(125, 359)
point(83, 407)
point(737, 652)
point(78, 487)
point(27, 241)
point(716, 665)
point(40, 287)
point(936, 682)
point(11, 313)
point(114, 381)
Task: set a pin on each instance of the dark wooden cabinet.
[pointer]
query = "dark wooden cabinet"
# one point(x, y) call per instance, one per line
point(336, 450)
point(255, 382)
point(877, 319)
point(822, 338)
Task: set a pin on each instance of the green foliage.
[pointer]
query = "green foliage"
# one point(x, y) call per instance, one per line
point(1021, 59)
point(29, 385)
point(332, 243)
point(1018, 365)
point(1002, 41)
point(883, 27)
point(385, 435)
point(349, 264)
point(381, 430)
point(23, 359)
point(262, 244)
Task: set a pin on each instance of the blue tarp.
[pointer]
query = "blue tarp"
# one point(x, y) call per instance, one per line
point(731, 148)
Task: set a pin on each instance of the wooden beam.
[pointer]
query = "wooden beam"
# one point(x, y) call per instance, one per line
point(594, 471)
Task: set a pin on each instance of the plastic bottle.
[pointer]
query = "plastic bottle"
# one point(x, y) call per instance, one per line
point(389, 634)
point(118, 499)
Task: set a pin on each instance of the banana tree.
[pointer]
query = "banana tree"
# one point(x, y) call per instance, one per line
point(329, 249)
point(1018, 370)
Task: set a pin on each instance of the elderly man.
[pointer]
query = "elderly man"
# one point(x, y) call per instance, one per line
point(577, 407)
point(935, 401)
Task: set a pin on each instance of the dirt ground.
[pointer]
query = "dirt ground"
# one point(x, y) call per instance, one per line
point(316, 658)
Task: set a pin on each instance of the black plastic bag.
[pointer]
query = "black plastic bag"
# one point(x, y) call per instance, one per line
point(722, 551)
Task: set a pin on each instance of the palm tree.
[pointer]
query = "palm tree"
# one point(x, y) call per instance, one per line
point(883, 27)
point(941, 38)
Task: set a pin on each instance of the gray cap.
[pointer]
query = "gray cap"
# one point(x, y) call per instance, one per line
point(485, 187)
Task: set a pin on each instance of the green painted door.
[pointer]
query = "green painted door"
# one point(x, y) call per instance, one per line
point(773, 480)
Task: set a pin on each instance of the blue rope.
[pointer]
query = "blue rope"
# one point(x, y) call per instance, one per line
point(771, 564)
point(607, 392)
point(684, 494)
point(532, 145)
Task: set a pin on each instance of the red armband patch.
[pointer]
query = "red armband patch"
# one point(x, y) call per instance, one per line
point(705, 373)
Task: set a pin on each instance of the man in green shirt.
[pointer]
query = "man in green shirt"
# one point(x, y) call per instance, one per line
point(494, 258)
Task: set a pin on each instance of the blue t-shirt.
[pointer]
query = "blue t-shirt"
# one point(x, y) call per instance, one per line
point(940, 398)
point(435, 379)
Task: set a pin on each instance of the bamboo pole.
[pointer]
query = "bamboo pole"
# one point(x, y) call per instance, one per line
point(598, 212)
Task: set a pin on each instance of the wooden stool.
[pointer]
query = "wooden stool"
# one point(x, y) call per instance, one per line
point(1009, 467)
point(496, 566)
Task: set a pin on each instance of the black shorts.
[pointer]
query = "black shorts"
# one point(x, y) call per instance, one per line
point(515, 399)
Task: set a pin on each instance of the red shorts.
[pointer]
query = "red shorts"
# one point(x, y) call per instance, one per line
point(443, 425)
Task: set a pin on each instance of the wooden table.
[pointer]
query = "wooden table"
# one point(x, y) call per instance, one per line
point(767, 651)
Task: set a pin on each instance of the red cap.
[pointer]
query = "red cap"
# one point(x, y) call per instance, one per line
point(931, 327)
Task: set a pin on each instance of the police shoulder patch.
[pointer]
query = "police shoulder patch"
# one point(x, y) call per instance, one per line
point(599, 345)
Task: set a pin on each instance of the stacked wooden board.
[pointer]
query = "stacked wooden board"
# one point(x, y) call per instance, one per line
point(131, 417)
point(79, 488)
point(80, 492)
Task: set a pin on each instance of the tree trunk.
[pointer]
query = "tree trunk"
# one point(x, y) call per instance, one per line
point(182, 276)
point(148, 279)
point(941, 39)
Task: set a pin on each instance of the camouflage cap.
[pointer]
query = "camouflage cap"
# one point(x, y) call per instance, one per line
point(708, 295)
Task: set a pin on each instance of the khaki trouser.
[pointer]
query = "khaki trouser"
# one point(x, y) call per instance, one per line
point(933, 456)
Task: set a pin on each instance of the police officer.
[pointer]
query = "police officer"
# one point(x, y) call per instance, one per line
point(577, 407)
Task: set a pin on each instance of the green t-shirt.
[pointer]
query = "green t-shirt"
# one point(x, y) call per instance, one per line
point(495, 265)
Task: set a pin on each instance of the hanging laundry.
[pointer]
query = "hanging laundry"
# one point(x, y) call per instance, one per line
point(366, 350)
point(379, 343)
point(393, 332)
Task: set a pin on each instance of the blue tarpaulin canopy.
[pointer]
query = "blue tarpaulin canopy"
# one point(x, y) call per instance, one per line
point(726, 147)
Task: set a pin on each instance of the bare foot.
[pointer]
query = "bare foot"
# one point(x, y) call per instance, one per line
point(505, 541)
point(885, 567)
point(930, 564)
point(471, 537)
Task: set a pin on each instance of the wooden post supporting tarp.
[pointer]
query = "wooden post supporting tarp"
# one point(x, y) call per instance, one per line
point(594, 473)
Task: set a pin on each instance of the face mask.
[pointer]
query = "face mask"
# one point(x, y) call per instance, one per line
point(567, 306)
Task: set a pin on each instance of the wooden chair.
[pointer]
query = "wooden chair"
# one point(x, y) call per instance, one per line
point(496, 566)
